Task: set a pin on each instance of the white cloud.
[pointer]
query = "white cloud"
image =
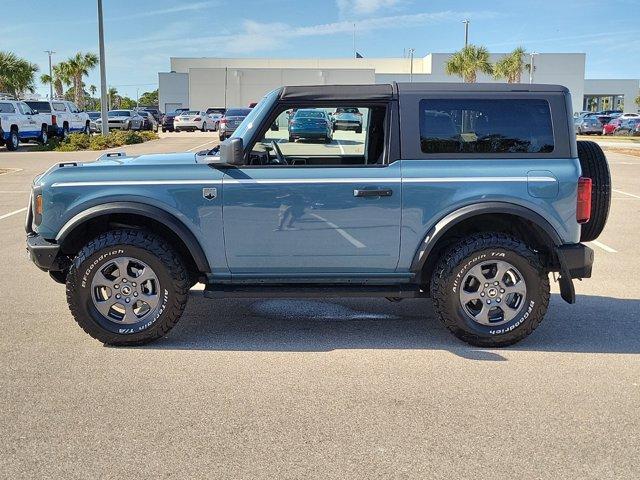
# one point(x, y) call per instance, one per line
point(351, 8)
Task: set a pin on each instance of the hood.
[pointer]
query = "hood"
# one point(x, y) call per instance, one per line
point(111, 166)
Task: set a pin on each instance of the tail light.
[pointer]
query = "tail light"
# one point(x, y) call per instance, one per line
point(197, 119)
point(583, 208)
point(53, 120)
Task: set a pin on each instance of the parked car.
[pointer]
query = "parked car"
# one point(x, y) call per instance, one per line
point(347, 118)
point(232, 118)
point(149, 121)
point(624, 116)
point(588, 125)
point(191, 120)
point(122, 120)
point(611, 126)
point(310, 124)
point(18, 122)
point(167, 121)
point(155, 111)
point(629, 126)
point(214, 122)
point(68, 117)
point(93, 116)
point(130, 235)
point(216, 110)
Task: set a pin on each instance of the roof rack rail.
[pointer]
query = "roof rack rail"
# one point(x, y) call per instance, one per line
point(111, 155)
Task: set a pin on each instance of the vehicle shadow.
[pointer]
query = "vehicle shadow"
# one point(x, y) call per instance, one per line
point(594, 324)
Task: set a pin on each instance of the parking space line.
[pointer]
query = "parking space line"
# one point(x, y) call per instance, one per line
point(199, 146)
point(7, 215)
point(341, 148)
point(353, 241)
point(604, 247)
point(10, 171)
point(625, 193)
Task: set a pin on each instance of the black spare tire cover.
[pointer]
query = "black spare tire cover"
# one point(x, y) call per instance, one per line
point(594, 165)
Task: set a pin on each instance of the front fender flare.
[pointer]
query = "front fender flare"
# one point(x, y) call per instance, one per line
point(154, 213)
point(436, 232)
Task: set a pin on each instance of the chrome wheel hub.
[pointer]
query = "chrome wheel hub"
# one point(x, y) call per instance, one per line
point(493, 292)
point(125, 290)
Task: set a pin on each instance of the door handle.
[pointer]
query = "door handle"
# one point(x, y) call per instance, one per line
point(385, 192)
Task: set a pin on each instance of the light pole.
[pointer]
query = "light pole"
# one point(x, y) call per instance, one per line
point(531, 66)
point(411, 52)
point(466, 31)
point(103, 74)
point(50, 52)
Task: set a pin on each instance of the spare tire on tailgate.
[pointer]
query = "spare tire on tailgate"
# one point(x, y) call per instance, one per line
point(594, 165)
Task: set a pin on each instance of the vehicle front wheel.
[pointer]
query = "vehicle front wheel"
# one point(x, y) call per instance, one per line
point(204, 126)
point(127, 287)
point(490, 290)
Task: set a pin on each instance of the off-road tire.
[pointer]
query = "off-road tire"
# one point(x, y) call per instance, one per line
point(594, 165)
point(479, 248)
point(147, 247)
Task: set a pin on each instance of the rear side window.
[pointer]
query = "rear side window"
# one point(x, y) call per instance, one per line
point(59, 107)
point(490, 126)
point(42, 107)
point(7, 108)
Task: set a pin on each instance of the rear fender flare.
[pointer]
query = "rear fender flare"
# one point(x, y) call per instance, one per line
point(440, 229)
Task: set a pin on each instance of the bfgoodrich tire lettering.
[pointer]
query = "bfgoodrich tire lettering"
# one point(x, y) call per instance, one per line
point(482, 249)
point(151, 250)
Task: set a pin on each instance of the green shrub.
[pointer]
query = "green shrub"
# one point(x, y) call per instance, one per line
point(81, 141)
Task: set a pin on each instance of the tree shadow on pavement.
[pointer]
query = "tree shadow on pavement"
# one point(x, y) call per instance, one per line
point(594, 324)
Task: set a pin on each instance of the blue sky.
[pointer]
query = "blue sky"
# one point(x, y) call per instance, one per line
point(141, 35)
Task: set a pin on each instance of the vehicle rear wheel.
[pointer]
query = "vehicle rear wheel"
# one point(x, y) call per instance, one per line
point(65, 131)
point(44, 136)
point(359, 130)
point(204, 126)
point(594, 165)
point(14, 140)
point(87, 128)
point(127, 287)
point(291, 139)
point(490, 290)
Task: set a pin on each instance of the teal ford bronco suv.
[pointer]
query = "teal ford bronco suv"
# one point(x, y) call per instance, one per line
point(469, 194)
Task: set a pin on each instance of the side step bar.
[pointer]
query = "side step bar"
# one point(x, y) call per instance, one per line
point(312, 291)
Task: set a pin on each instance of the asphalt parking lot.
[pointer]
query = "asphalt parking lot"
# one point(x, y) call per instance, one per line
point(327, 388)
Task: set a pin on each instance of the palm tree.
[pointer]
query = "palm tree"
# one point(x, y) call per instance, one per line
point(17, 75)
point(78, 66)
point(61, 78)
point(92, 90)
point(510, 66)
point(468, 62)
point(114, 98)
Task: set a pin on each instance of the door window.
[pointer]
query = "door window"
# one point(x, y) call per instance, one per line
point(59, 107)
point(6, 107)
point(25, 109)
point(323, 136)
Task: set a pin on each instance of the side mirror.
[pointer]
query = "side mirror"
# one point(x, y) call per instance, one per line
point(231, 151)
point(35, 112)
point(275, 127)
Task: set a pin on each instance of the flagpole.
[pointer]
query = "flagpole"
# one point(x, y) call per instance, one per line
point(354, 40)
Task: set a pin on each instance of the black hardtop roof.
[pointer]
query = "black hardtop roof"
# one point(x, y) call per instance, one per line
point(386, 91)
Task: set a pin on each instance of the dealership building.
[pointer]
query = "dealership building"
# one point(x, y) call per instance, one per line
point(200, 83)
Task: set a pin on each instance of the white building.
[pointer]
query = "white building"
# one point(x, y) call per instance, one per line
point(200, 83)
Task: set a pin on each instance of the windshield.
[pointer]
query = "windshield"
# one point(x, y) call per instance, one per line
point(255, 117)
point(119, 113)
point(309, 114)
point(191, 112)
point(238, 112)
point(94, 115)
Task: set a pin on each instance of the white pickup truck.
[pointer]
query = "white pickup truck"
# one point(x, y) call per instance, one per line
point(65, 116)
point(18, 122)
